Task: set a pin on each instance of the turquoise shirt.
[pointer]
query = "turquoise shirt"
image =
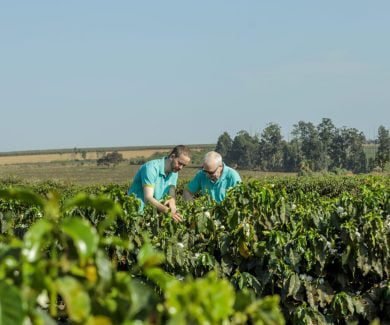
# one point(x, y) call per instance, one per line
point(152, 174)
point(217, 190)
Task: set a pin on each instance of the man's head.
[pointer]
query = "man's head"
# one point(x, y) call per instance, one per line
point(212, 165)
point(180, 157)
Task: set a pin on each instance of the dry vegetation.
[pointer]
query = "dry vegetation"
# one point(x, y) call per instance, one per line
point(71, 156)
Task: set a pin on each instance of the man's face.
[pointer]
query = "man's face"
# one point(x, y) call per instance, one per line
point(179, 162)
point(213, 171)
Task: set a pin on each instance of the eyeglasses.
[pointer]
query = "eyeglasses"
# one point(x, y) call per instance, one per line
point(210, 172)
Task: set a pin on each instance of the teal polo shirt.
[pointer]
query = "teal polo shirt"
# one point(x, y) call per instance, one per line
point(217, 190)
point(152, 174)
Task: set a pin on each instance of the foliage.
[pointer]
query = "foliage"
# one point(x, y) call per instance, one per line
point(224, 145)
point(112, 158)
point(244, 150)
point(319, 148)
point(383, 154)
point(271, 148)
point(320, 244)
point(65, 268)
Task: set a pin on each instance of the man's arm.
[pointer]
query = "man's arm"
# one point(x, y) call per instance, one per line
point(148, 197)
point(187, 195)
point(192, 187)
point(164, 208)
point(171, 202)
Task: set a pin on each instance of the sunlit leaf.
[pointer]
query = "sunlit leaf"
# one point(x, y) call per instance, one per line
point(35, 239)
point(83, 235)
point(11, 309)
point(76, 299)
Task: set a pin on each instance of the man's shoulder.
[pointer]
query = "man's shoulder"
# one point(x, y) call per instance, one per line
point(153, 163)
point(232, 173)
point(151, 166)
point(198, 177)
point(231, 170)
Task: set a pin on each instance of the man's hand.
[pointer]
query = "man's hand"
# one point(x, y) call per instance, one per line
point(177, 217)
point(171, 204)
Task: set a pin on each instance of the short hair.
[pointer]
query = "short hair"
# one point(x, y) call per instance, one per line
point(213, 157)
point(180, 150)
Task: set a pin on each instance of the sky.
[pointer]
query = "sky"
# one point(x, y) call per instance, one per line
point(138, 73)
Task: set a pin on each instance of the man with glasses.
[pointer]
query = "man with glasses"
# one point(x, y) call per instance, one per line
point(158, 178)
point(214, 179)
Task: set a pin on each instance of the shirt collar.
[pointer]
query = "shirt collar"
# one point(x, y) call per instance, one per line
point(162, 167)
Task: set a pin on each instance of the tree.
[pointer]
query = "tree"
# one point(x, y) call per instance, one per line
point(113, 158)
point(309, 143)
point(383, 154)
point(224, 145)
point(356, 158)
point(271, 148)
point(326, 133)
point(291, 156)
point(338, 150)
point(346, 150)
point(244, 150)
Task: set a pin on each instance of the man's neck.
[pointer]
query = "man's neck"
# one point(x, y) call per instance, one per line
point(167, 166)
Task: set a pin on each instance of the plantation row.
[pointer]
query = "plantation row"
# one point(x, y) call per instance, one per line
point(307, 250)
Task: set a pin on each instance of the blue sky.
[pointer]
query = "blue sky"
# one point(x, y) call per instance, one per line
point(127, 73)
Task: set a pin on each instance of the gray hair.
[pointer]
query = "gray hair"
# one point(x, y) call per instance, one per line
point(212, 157)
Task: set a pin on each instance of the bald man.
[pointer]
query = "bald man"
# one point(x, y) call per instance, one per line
point(214, 179)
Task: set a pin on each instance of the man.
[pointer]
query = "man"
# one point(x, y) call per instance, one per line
point(215, 178)
point(157, 178)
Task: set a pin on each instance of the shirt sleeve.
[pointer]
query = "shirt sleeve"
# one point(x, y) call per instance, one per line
point(236, 177)
point(149, 176)
point(194, 185)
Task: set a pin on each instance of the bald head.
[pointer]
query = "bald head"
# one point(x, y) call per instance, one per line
point(212, 159)
point(212, 165)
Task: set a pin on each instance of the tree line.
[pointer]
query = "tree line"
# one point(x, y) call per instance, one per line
point(311, 149)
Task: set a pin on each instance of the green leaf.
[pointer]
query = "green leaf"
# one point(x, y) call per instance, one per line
point(104, 268)
point(84, 236)
point(158, 276)
point(266, 311)
point(100, 203)
point(11, 311)
point(141, 297)
point(149, 257)
point(23, 195)
point(293, 285)
point(77, 300)
point(193, 298)
point(35, 239)
point(42, 317)
point(99, 320)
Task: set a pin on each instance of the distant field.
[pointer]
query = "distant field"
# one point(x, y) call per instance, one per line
point(44, 156)
point(79, 166)
point(40, 158)
point(89, 173)
point(70, 172)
